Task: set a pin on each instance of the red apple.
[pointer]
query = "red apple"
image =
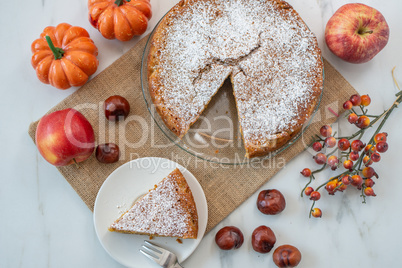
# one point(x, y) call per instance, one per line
point(356, 33)
point(65, 137)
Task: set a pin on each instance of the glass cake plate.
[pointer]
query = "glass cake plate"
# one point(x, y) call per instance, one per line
point(216, 136)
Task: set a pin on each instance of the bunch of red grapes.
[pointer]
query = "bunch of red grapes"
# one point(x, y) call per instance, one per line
point(351, 153)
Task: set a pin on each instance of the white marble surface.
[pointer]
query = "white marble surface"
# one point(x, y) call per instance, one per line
point(45, 224)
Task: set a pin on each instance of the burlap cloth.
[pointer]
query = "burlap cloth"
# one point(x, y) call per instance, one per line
point(225, 187)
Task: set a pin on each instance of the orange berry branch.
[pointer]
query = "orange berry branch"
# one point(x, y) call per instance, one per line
point(356, 156)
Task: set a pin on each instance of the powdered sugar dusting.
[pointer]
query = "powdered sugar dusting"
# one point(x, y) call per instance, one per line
point(270, 53)
point(159, 212)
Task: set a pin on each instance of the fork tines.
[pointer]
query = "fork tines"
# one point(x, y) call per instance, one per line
point(152, 251)
point(153, 247)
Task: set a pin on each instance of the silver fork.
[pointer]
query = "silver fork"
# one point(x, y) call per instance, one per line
point(161, 256)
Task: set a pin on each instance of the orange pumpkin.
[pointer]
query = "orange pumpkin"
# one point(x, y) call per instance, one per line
point(64, 56)
point(120, 19)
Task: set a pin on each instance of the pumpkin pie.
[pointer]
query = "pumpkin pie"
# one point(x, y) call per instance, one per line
point(166, 210)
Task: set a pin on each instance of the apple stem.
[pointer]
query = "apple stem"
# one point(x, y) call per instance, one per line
point(76, 163)
point(365, 31)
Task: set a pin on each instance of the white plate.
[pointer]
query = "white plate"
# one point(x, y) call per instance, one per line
point(117, 194)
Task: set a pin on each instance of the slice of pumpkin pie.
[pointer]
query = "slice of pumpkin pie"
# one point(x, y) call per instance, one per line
point(166, 210)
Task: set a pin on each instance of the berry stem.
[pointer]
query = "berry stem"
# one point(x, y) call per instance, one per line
point(318, 170)
point(361, 108)
point(396, 82)
point(364, 196)
point(332, 178)
point(311, 179)
point(363, 129)
point(361, 134)
point(319, 138)
point(336, 149)
point(311, 209)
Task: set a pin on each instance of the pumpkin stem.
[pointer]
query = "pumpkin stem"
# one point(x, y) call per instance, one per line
point(120, 2)
point(57, 52)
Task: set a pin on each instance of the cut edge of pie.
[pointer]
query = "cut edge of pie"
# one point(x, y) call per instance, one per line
point(167, 210)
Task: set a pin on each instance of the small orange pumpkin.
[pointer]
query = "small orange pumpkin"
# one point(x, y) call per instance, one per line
point(64, 56)
point(120, 19)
